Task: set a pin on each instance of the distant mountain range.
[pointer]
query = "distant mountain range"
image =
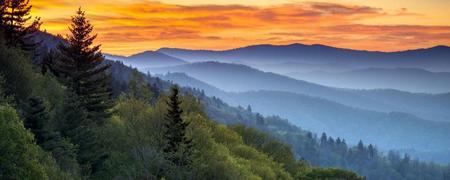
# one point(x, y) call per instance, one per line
point(147, 59)
point(240, 78)
point(387, 118)
point(406, 79)
point(393, 130)
point(433, 59)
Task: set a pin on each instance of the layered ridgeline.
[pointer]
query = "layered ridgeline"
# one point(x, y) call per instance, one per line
point(386, 130)
point(61, 119)
point(406, 79)
point(434, 59)
point(370, 162)
point(130, 144)
point(366, 159)
point(241, 78)
point(147, 59)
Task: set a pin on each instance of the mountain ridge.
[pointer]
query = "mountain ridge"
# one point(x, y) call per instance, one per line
point(433, 59)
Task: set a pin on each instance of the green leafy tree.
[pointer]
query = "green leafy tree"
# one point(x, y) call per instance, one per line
point(19, 155)
point(14, 15)
point(178, 145)
point(81, 68)
point(138, 88)
point(17, 73)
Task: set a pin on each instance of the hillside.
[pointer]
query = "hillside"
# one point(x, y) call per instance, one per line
point(386, 130)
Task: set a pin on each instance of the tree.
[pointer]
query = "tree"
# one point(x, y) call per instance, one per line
point(19, 154)
point(81, 68)
point(74, 125)
point(249, 108)
point(37, 121)
point(14, 14)
point(178, 145)
point(323, 140)
point(138, 88)
point(36, 117)
point(3, 97)
point(17, 73)
point(259, 120)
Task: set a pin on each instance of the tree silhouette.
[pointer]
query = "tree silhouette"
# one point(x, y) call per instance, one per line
point(14, 14)
point(178, 145)
point(81, 68)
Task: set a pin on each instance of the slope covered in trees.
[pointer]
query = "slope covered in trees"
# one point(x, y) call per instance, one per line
point(61, 125)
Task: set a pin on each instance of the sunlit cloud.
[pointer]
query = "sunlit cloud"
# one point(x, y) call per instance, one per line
point(127, 27)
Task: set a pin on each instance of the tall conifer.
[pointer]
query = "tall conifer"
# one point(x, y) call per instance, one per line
point(14, 14)
point(81, 67)
point(178, 145)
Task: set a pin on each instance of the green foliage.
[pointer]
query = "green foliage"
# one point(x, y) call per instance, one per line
point(178, 145)
point(20, 157)
point(331, 174)
point(138, 88)
point(19, 154)
point(3, 97)
point(37, 120)
point(170, 137)
point(17, 73)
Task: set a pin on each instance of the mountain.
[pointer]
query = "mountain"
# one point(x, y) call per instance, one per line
point(47, 40)
point(240, 78)
point(147, 59)
point(296, 67)
point(433, 59)
point(406, 79)
point(282, 129)
point(392, 130)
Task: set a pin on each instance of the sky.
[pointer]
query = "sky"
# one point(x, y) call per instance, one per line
point(126, 27)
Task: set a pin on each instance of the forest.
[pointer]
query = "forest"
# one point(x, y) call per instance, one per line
point(61, 120)
point(67, 113)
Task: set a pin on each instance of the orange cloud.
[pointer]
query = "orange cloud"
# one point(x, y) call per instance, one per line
point(132, 26)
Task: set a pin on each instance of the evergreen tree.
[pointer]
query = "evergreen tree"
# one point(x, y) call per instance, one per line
point(14, 14)
point(323, 140)
point(36, 118)
point(81, 69)
point(37, 121)
point(259, 120)
point(178, 145)
point(249, 108)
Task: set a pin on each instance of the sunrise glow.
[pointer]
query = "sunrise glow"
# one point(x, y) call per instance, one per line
point(127, 27)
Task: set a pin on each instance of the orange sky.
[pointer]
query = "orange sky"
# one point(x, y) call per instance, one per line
point(130, 26)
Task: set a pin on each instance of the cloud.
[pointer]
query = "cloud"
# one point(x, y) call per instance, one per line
point(148, 25)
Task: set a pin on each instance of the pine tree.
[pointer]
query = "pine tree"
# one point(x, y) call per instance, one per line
point(259, 120)
point(178, 145)
point(80, 68)
point(14, 15)
point(36, 118)
point(323, 140)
